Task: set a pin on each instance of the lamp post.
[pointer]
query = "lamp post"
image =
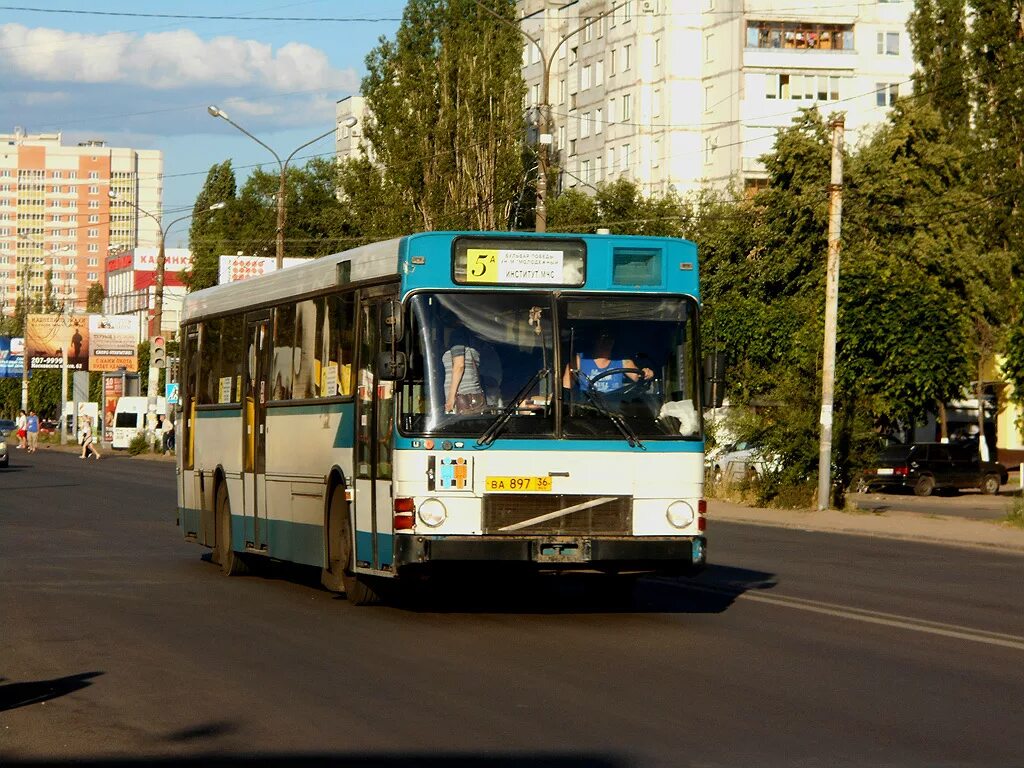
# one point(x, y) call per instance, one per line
point(282, 211)
point(545, 137)
point(156, 328)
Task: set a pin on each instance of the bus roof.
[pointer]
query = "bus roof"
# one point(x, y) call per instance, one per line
point(368, 262)
point(382, 259)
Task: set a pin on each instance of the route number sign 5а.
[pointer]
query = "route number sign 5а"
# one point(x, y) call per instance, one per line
point(517, 267)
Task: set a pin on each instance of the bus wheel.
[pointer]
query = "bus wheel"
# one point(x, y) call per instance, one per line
point(231, 563)
point(338, 575)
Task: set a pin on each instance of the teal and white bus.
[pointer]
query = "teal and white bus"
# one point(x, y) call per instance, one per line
point(449, 399)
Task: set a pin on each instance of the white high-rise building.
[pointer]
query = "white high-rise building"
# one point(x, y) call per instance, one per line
point(688, 94)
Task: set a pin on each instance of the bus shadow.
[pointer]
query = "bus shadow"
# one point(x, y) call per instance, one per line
point(713, 591)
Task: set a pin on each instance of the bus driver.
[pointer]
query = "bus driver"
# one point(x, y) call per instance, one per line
point(599, 361)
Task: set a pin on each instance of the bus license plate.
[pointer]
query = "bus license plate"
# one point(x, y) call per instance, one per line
point(517, 484)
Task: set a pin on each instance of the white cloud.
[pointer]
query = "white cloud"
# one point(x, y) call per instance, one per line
point(166, 60)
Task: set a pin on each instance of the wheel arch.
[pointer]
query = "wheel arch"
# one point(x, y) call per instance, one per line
point(335, 479)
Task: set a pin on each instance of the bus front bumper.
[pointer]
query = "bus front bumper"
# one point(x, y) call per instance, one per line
point(641, 553)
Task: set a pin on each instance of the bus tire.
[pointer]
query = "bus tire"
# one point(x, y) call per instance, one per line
point(338, 575)
point(231, 562)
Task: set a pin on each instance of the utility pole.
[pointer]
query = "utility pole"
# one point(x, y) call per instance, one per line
point(24, 337)
point(828, 369)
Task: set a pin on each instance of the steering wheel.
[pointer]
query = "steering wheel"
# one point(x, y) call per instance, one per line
point(631, 386)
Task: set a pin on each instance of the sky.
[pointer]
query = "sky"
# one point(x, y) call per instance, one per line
point(145, 82)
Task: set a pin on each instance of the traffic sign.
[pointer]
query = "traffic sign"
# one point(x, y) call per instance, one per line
point(173, 391)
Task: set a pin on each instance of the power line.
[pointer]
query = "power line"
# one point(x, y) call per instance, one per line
point(197, 17)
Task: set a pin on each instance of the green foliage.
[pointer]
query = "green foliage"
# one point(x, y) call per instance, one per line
point(139, 444)
point(209, 235)
point(447, 125)
point(621, 207)
point(94, 298)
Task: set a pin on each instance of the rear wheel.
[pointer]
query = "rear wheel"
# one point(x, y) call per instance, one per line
point(924, 485)
point(231, 562)
point(338, 575)
point(990, 484)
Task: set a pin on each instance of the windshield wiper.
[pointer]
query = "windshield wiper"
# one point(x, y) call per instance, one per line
point(489, 436)
point(601, 407)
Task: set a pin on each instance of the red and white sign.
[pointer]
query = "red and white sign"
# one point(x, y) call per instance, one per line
point(144, 260)
point(234, 268)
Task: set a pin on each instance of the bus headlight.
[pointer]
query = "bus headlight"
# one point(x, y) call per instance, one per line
point(680, 514)
point(432, 513)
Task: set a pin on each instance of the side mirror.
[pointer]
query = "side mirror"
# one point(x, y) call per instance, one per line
point(391, 366)
point(714, 380)
point(391, 322)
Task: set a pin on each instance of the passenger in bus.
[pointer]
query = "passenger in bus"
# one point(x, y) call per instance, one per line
point(463, 387)
point(600, 359)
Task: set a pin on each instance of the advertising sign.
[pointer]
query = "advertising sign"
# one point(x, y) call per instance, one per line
point(12, 351)
point(113, 342)
point(234, 268)
point(113, 389)
point(49, 335)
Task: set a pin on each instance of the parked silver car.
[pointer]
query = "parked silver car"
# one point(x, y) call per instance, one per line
point(740, 461)
point(7, 428)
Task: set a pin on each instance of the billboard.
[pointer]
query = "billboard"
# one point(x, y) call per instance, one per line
point(234, 268)
point(49, 335)
point(113, 342)
point(12, 352)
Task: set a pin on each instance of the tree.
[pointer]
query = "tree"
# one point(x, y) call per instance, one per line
point(208, 234)
point(94, 298)
point(621, 207)
point(446, 122)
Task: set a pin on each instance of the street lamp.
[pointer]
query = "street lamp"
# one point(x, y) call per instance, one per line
point(545, 138)
point(158, 293)
point(216, 111)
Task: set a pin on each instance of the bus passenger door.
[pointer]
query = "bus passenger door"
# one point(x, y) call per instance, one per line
point(374, 442)
point(254, 425)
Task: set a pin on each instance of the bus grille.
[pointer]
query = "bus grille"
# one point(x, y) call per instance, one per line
point(613, 517)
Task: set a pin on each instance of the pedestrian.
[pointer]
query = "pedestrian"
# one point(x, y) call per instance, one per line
point(168, 435)
point(32, 428)
point(87, 441)
point(22, 423)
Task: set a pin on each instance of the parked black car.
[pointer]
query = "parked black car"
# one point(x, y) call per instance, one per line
point(924, 467)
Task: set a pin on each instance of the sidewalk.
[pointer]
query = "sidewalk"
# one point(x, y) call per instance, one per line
point(940, 529)
point(107, 453)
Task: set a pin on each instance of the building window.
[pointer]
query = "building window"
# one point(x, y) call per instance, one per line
point(657, 51)
point(94, 262)
point(93, 275)
point(798, 87)
point(626, 157)
point(707, 98)
point(610, 159)
point(597, 168)
point(94, 203)
point(656, 103)
point(627, 11)
point(598, 120)
point(611, 62)
point(588, 30)
point(585, 172)
point(534, 95)
point(561, 136)
point(627, 56)
point(799, 34)
point(94, 174)
point(72, 174)
point(93, 218)
point(94, 233)
point(93, 248)
point(656, 153)
point(585, 125)
point(889, 43)
point(585, 77)
point(709, 42)
point(574, 54)
point(572, 147)
point(561, 91)
point(94, 190)
point(611, 111)
point(709, 149)
point(627, 107)
point(886, 94)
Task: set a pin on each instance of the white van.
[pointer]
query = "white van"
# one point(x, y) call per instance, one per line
point(130, 418)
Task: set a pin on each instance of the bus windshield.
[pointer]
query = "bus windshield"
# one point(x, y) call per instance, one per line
point(629, 367)
point(471, 355)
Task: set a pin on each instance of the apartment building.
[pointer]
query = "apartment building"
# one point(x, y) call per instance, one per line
point(688, 94)
point(57, 215)
point(350, 114)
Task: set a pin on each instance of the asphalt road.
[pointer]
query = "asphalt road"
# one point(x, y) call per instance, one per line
point(120, 643)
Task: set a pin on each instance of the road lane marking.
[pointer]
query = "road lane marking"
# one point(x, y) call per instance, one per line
point(911, 623)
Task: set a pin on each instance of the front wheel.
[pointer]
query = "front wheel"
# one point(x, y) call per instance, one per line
point(924, 486)
point(990, 485)
point(338, 575)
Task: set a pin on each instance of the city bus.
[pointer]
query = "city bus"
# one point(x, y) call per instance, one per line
point(447, 401)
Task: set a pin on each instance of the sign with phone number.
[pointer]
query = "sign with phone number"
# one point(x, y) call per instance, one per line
point(516, 267)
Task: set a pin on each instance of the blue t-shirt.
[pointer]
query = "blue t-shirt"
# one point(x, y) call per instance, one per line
point(33, 424)
point(589, 369)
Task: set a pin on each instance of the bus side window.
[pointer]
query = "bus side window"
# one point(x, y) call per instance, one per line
point(207, 390)
point(284, 353)
point(340, 345)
